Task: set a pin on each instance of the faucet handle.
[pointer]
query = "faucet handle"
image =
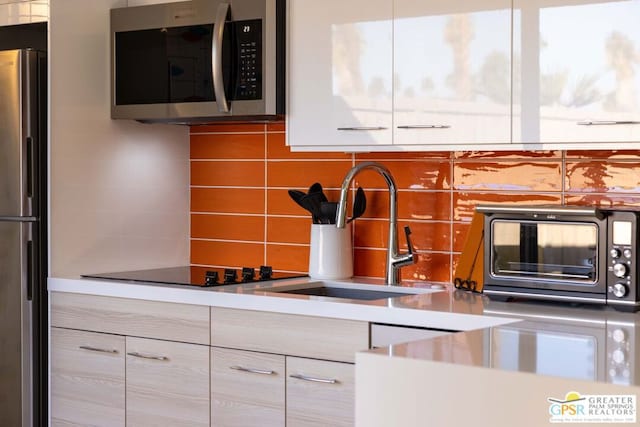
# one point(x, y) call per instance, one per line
point(407, 233)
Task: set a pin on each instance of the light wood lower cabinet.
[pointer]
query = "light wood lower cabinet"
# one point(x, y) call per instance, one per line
point(167, 383)
point(87, 378)
point(320, 393)
point(247, 388)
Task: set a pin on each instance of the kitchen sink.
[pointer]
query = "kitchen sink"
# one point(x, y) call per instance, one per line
point(355, 291)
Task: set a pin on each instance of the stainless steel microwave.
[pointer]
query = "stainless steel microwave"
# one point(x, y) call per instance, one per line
point(198, 61)
point(562, 253)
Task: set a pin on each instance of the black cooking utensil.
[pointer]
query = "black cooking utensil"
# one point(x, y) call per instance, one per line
point(297, 196)
point(328, 212)
point(359, 204)
point(311, 202)
point(316, 187)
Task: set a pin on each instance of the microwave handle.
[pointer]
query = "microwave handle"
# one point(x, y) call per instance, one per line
point(216, 57)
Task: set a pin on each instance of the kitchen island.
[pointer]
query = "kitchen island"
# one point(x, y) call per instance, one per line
point(504, 351)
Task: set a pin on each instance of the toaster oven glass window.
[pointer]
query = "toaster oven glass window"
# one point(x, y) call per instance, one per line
point(545, 250)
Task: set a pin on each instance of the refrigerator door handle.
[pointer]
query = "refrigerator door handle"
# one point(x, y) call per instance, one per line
point(30, 270)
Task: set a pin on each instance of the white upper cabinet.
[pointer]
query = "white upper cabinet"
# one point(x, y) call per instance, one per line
point(452, 72)
point(339, 72)
point(576, 71)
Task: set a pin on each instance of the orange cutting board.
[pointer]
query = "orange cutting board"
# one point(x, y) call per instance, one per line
point(470, 265)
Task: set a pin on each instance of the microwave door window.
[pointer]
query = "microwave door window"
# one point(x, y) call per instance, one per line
point(550, 251)
point(164, 65)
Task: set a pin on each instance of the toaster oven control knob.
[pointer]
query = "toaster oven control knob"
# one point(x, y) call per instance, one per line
point(620, 290)
point(618, 356)
point(615, 253)
point(619, 335)
point(627, 253)
point(620, 270)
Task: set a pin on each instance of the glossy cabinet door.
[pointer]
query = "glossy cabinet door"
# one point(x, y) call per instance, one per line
point(167, 383)
point(576, 71)
point(452, 72)
point(247, 388)
point(320, 393)
point(87, 378)
point(339, 73)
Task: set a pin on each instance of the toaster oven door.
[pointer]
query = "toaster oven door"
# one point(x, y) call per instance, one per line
point(547, 255)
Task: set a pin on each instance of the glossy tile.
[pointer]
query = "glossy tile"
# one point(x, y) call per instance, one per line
point(229, 128)
point(397, 155)
point(288, 258)
point(236, 146)
point(414, 175)
point(603, 177)
point(226, 254)
point(228, 173)
point(288, 230)
point(278, 126)
point(228, 227)
point(460, 232)
point(291, 174)
point(501, 155)
point(464, 203)
point(508, 176)
point(425, 236)
point(227, 200)
point(603, 200)
point(277, 149)
point(604, 154)
point(431, 205)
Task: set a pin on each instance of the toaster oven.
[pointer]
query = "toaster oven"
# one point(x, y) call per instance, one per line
point(562, 253)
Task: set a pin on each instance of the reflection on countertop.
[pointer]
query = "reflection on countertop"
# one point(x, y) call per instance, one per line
point(590, 343)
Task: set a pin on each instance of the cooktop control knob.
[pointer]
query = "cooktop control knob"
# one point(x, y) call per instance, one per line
point(615, 253)
point(620, 270)
point(620, 290)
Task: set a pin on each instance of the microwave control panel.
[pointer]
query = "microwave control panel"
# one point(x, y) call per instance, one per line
point(248, 42)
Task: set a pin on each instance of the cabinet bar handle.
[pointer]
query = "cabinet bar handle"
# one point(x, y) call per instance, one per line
point(424, 127)
point(314, 379)
point(364, 128)
point(145, 356)
point(253, 370)
point(100, 350)
point(607, 122)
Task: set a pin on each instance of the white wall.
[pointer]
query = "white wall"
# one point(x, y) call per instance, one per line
point(119, 189)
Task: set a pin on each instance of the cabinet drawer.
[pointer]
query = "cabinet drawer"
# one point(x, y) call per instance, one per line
point(123, 316)
point(87, 378)
point(305, 336)
point(247, 388)
point(167, 383)
point(320, 393)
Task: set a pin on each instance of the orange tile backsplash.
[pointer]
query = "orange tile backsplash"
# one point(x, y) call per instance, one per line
point(241, 214)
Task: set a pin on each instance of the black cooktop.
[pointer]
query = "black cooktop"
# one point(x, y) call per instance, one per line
point(198, 276)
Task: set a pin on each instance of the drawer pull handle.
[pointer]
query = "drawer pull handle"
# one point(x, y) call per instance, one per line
point(608, 122)
point(146, 356)
point(314, 379)
point(99, 350)
point(253, 370)
point(424, 127)
point(364, 128)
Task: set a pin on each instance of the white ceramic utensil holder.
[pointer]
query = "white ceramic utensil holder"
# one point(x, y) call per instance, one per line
point(331, 252)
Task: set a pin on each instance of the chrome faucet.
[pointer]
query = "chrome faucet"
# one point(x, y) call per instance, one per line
point(395, 260)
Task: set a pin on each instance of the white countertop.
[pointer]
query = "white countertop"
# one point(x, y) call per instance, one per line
point(518, 337)
point(435, 309)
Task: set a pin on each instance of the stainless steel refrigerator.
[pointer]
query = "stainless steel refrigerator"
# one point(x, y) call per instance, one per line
point(23, 301)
